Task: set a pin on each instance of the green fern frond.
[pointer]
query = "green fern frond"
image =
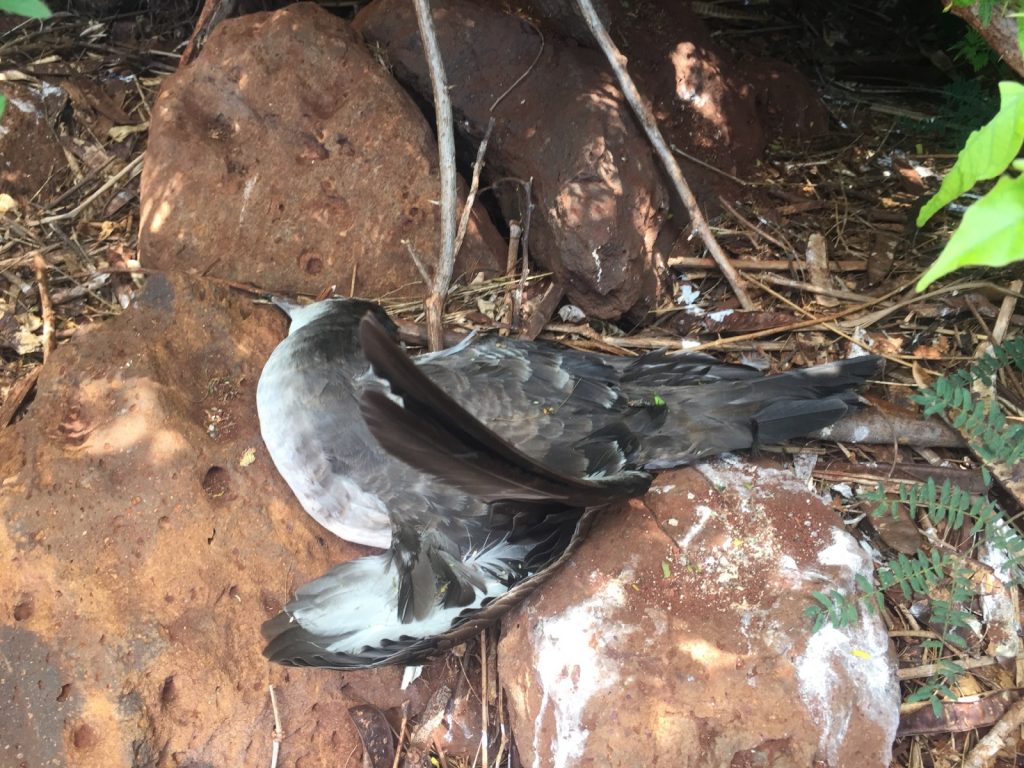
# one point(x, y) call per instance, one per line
point(945, 575)
point(982, 422)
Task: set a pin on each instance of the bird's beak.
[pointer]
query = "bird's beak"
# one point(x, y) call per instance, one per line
point(288, 307)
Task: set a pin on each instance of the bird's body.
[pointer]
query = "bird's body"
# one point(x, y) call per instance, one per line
point(474, 467)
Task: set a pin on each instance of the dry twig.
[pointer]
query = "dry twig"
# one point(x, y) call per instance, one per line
point(17, 395)
point(524, 275)
point(442, 279)
point(1002, 735)
point(822, 290)
point(467, 209)
point(131, 170)
point(833, 328)
point(761, 265)
point(45, 305)
point(529, 69)
point(401, 734)
point(1006, 310)
point(278, 733)
point(927, 670)
point(483, 698)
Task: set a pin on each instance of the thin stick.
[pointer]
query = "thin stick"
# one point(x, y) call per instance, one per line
point(710, 167)
point(517, 297)
point(969, 300)
point(401, 735)
point(822, 290)
point(446, 154)
point(45, 305)
point(515, 233)
point(128, 169)
point(670, 342)
point(647, 120)
point(927, 670)
point(529, 69)
point(1002, 735)
point(767, 265)
point(756, 229)
point(483, 697)
point(833, 328)
point(501, 726)
point(278, 733)
point(474, 185)
point(414, 255)
point(17, 394)
point(1006, 309)
point(439, 749)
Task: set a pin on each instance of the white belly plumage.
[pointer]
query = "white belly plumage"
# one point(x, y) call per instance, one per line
point(332, 499)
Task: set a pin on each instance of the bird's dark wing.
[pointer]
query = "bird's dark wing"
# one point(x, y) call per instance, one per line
point(421, 425)
point(309, 417)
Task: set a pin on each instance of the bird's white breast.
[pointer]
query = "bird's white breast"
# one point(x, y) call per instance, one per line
point(298, 445)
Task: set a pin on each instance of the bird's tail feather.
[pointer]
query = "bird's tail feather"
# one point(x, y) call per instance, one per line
point(746, 411)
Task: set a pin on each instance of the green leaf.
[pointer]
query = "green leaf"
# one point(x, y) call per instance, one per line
point(34, 9)
point(986, 154)
point(822, 598)
point(3, 105)
point(990, 235)
point(924, 693)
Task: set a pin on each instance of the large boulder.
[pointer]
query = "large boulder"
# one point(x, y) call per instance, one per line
point(600, 203)
point(144, 537)
point(287, 156)
point(676, 635)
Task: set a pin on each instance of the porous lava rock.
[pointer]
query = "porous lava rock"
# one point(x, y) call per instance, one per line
point(600, 203)
point(676, 636)
point(286, 155)
point(144, 537)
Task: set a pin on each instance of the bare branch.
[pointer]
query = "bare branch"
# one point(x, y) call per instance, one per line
point(446, 154)
point(474, 186)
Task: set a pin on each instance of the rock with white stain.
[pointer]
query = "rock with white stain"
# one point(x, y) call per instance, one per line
point(677, 636)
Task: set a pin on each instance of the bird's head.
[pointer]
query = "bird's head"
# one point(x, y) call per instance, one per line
point(338, 311)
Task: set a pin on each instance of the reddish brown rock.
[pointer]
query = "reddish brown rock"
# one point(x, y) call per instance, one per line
point(720, 109)
point(723, 111)
point(287, 156)
point(145, 536)
point(30, 152)
point(599, 198)
point(676, 636)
